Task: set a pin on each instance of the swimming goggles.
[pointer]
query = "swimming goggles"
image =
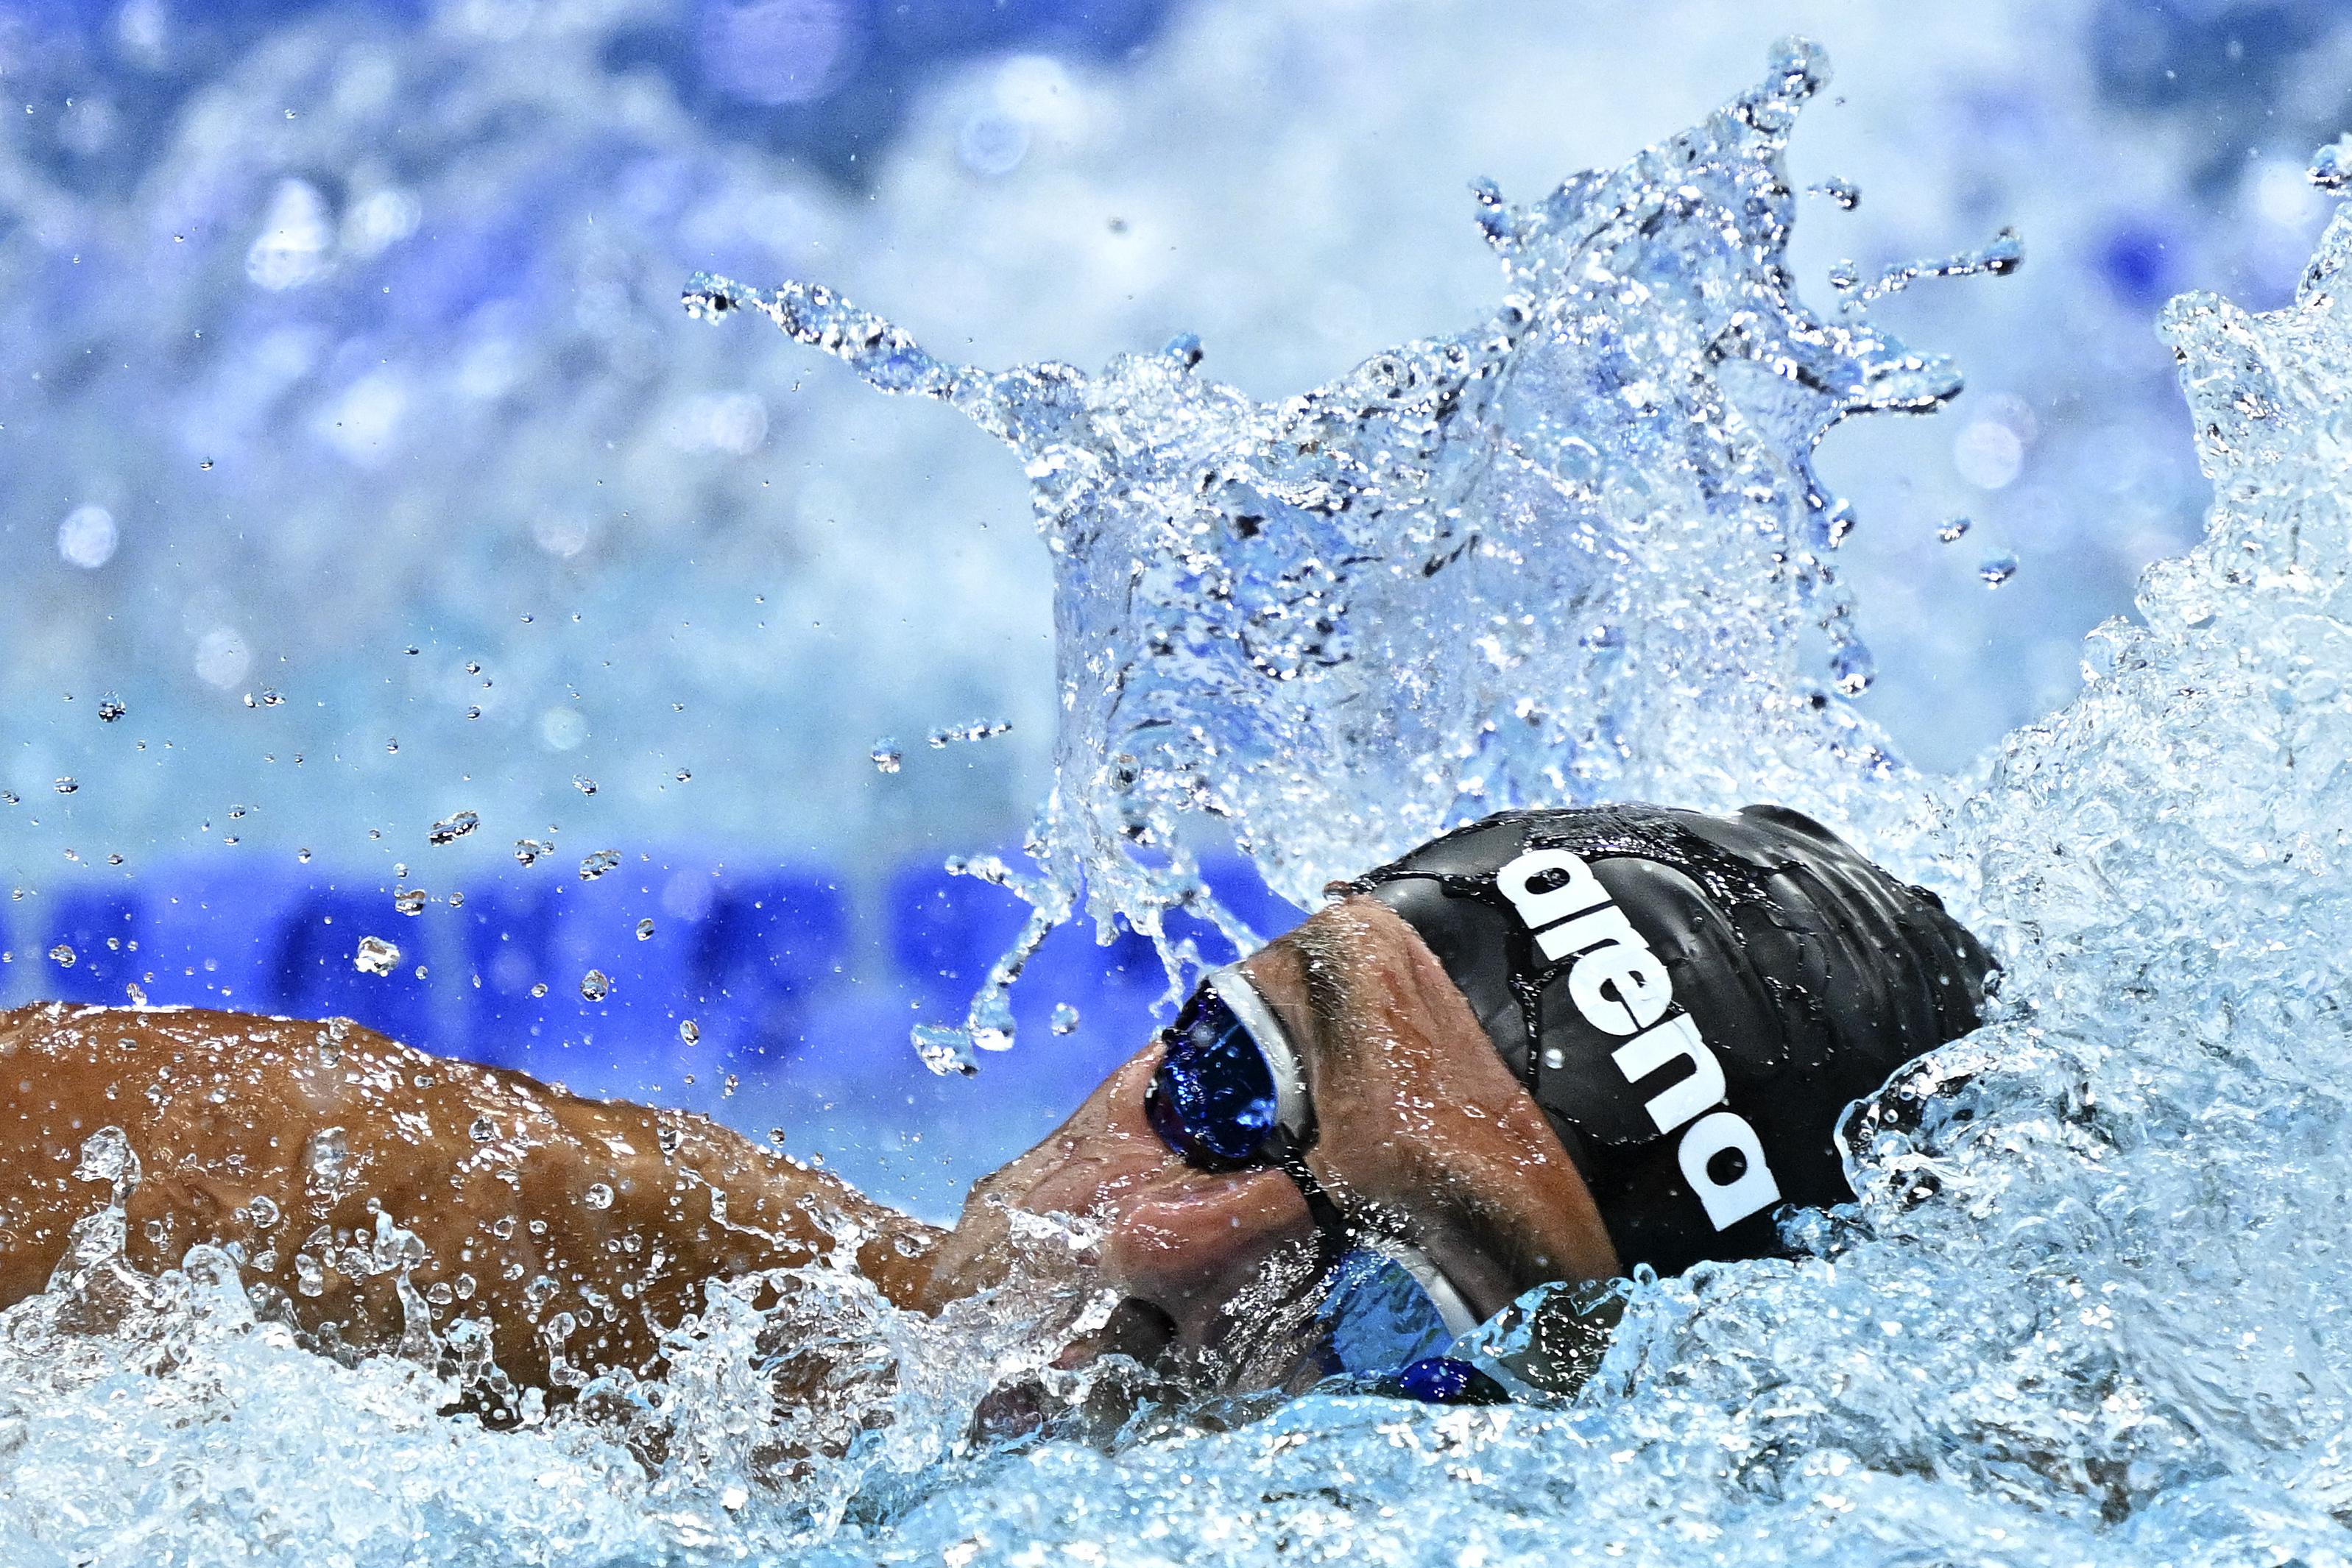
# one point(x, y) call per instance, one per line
point(1229, 1095)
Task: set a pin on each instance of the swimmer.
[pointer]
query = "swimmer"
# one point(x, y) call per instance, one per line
point(1550, 1045)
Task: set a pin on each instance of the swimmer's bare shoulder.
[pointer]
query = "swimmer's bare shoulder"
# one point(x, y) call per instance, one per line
point(287, 1136)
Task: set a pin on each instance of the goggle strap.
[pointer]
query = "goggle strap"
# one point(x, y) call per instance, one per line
point(1452, 1308)
point(1339, 1236)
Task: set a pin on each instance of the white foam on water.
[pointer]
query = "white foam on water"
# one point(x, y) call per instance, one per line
point(2091, 1306)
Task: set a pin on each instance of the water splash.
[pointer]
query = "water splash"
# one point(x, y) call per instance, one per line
point(795, 1408)
point(1576, 553)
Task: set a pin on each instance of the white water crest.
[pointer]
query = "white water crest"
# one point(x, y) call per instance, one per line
point(1577, 554)
point(2093, 1305)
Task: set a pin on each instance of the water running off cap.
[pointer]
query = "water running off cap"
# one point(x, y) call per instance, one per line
point(1693, 1000)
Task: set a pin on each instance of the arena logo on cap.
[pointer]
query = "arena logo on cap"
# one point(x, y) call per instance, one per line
point(1620, 987)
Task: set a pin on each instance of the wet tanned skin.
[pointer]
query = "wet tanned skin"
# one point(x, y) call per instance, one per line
point(221, 1108)
point(1420, 1130)
point(1419, 1127)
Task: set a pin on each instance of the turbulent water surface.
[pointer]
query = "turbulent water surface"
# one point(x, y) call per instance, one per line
point(2090, 1307)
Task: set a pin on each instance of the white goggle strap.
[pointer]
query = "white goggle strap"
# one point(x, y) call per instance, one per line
point(1452, 1308)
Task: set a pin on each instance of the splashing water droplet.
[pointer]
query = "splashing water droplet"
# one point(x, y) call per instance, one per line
point(596, 864)
point(528, 851)
point(1953, 529)
point(451, 828)
point(539, 989)
point(1853, 667)
point(63, 956)
point(376, 956)
point(1844, 193)
point(483, 1130)
point(595, 985)
point(946, 1051)
point(689, 1031)
point(1997, 569)
point(411, 901)
point(645, 929)
point(111, 708)
point(1066, 1018)
point(107, 1156)
point(598, 1196)
point(66, 787)
point(978, 730)
point(2331, 167)
point(887, 758)
point(583, 784)
point(327, 1157)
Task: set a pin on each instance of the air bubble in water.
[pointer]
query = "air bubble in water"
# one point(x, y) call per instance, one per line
point(376, 956)
point(598, 1196)
point(1996, 570)
point(596, 865)
point(595, 985)
point(886, 756)
point(451, 828)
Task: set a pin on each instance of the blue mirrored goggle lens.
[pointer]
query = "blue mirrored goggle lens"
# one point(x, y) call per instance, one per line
point(1376, 1318)
point(1212, 1098)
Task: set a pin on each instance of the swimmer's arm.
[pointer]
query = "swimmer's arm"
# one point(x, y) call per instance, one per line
point(286, 1138)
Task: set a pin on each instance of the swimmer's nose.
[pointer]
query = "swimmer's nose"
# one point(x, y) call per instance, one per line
point(1189, 1243)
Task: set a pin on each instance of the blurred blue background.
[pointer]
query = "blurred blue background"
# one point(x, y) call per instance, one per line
point(358, 468)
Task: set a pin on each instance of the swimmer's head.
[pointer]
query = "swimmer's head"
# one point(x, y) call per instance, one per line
point(1550, 1046)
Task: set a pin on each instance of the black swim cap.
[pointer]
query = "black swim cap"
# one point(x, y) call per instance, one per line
point(1693, 1000)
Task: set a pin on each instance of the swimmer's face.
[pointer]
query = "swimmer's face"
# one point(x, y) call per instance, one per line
point(1420, 1130)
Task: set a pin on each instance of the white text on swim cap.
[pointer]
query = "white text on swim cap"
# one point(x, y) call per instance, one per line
point(1620, 987)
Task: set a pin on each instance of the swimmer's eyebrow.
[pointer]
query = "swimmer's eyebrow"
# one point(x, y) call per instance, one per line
point(1323, 973)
